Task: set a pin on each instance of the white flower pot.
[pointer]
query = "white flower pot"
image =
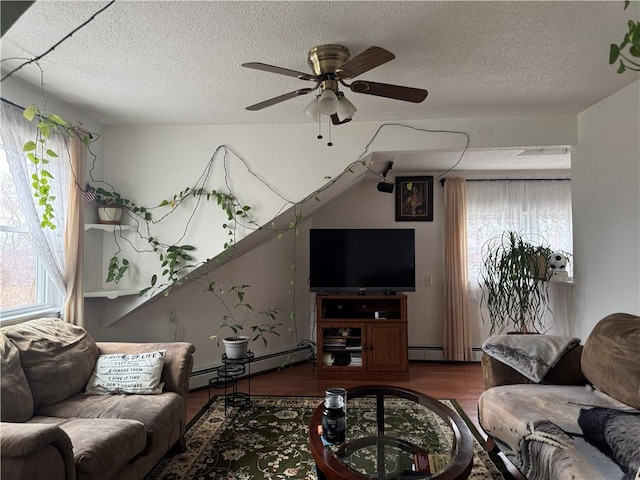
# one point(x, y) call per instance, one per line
point(236, 349)
point(109, 215)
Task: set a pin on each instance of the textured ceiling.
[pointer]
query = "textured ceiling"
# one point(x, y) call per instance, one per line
point(179, 62)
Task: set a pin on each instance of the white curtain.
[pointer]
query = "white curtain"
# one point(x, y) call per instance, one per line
point(539, 208)
point(535, 207)
point(16, 131)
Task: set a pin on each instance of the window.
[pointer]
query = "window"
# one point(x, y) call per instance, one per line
point(535, 207)
point(25, 287)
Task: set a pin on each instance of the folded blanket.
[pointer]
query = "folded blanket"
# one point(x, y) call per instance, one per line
point(546, 452)
point(531, 355)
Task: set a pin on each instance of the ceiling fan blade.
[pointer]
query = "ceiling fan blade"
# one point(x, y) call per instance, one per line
point(281, 98)
point(408, 94)
point(282, 71)
point(372, 57)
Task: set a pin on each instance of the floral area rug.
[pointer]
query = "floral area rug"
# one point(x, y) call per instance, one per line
point(269, 440)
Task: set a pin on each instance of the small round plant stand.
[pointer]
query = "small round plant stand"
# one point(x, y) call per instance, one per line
point(227, 375)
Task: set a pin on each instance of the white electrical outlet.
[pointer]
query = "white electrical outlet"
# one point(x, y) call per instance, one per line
point(428, 281)
point(171, 315)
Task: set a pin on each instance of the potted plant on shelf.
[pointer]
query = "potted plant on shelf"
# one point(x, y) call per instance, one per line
point(110, 206)
point(240, 314)
point(514, 282)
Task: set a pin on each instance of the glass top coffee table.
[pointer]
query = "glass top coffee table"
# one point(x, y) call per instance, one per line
point(394, 433)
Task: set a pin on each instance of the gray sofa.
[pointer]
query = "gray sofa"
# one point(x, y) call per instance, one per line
point(52, 430)
point(582, 421)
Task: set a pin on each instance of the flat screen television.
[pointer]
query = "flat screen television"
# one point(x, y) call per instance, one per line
point(362, 260)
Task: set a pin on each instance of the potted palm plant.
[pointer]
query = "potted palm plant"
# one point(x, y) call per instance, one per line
point(239, 314)
point(514, 282)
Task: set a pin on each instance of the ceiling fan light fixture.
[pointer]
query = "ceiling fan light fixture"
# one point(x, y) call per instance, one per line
point(332, 64)
point(328, 102)
point(346, 109)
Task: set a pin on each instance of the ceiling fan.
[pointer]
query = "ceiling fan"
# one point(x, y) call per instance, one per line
point(332, 65)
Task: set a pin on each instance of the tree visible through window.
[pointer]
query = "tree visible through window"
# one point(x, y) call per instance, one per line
point(24, 284)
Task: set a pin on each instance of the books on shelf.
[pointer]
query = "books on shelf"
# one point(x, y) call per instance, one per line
point(342, 359)
point(334, 342)
point(342, 343)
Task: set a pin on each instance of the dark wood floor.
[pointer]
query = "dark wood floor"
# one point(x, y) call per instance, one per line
point(460, 381)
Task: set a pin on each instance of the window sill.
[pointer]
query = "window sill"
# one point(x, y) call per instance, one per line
point(566, 281)
point(49, 312)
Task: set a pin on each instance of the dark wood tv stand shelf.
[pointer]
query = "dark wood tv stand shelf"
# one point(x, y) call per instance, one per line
point(354, 344)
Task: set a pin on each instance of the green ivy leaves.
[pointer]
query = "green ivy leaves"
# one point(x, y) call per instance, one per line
point(174, 259)
point(630, 40)
point(227, 201)
point(117, 269)
point(40, 155)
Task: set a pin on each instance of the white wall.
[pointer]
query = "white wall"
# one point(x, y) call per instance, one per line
point(148, 163)
point(606, 209)
point(267, 269)
point(363, 206)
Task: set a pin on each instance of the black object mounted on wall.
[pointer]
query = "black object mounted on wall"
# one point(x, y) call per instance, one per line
point(385, 186)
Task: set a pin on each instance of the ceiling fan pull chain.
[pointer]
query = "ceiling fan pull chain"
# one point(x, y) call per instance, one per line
point(319, 125)
point(329, 143)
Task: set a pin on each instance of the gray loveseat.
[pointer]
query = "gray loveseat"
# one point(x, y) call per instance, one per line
point(582, 421)
point(52, 430)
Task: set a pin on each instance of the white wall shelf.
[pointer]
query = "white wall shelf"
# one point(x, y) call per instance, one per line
point(106, 227)
point(94, 269)
point(110, 294)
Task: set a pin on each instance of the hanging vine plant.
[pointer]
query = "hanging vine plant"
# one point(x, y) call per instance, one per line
point(629, 47)
point(40, 155)
point(175, 259)
point(116, 269)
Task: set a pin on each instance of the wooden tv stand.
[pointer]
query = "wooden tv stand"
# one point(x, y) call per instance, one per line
point(353, 344)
